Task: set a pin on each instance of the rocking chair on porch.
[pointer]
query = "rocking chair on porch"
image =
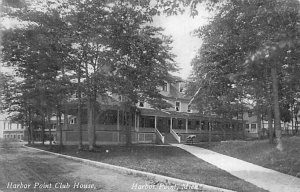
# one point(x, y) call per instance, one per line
point(190, 139)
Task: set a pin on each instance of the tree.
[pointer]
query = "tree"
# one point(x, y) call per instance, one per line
point(109, 46)
point(250, 44)
point(37, 52)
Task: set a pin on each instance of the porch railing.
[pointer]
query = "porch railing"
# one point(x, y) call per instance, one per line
point(160, 136)
point(177, 137)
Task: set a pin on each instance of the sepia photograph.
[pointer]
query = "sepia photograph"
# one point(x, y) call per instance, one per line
point(149, 95)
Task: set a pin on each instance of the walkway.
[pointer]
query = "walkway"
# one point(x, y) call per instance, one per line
point(268, 179)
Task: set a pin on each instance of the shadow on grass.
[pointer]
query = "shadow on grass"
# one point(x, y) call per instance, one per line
point(164, 160)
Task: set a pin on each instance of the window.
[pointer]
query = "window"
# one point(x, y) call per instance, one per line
point(247, 126)
point(240, 116)
point(253, 126)
point(120, 98)
point(177, 106)
point(180, 124)
point(141, 104)
point(180, 87)
point(73, 121)
point(189, 108)
point(165, 87)
point(109, 117)
point(249, 113)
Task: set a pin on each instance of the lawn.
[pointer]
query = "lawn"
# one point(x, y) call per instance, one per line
point(262, 153)
point(164, 160)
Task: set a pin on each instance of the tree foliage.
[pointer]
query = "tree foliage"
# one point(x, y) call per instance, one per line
point(250, 51)
point(102, 47)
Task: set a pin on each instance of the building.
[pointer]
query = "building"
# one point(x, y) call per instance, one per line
point(11, 130)
point(49, 129)
point(251, 125)
point(149, 125)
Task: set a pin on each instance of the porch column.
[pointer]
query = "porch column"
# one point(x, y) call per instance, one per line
point(171, 124)
point(186, 125)
point(199, 126)
point(118, 120)
point(138, 122)
point(135, 122)
point(155, 122)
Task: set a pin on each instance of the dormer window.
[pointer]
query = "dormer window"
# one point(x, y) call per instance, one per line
point(250, 114)
point(189, 109)
point(165, 87)
point(181, 87)
point(120, 98)
point(141, 104)
point(73, 121)
point(177, 106)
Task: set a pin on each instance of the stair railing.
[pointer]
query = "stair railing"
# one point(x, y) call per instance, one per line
point(177, 137)
point(160, 136)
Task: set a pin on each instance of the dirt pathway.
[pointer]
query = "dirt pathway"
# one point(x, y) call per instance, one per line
point(22, 169)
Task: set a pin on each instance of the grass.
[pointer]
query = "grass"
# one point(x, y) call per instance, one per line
point(262, 153)
point(164, 160)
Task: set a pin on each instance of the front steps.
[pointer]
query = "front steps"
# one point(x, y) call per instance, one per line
point(169, 138)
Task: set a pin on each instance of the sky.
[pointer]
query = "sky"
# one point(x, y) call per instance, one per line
point(185, 44)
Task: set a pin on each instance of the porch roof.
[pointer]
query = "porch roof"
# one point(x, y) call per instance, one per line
point(165, 113)
point(183, 115)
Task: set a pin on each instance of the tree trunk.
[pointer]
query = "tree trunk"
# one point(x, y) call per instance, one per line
point(258, 116)
point(90, 114)
point(128, 122)
point(80, 145)
point(28, 128)
point(292, 131)
point(59, 127)
point(209, 129)
point(66, 121)
point(49, 127)
point(79, 113)
point(262, 122)
point(231, 130)
point(31, 128)
point(277, 125)
point(270, 124)
point(43, 128)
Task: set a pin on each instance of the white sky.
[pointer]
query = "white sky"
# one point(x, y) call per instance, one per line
point(185, 45)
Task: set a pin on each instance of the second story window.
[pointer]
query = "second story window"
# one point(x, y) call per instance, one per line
point(247, 126)
point(177, 106)
point(240, 116)
point(250, 114)
point(165, 87)
point(253, 126)
point(181, 88)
